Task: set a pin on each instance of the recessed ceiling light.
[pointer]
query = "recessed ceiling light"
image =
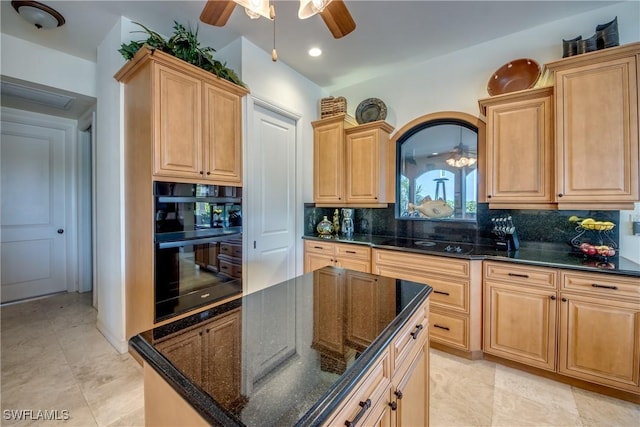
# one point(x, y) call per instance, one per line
point(315, 51)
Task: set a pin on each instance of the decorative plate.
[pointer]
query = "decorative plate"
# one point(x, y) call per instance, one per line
point(518, 74)
point(370, 110)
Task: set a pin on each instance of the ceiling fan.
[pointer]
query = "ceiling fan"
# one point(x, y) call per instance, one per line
point(334, 13)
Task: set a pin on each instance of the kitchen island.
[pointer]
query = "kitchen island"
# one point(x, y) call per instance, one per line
point(324, 348)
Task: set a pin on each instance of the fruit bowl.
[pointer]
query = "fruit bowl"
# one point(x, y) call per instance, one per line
point(602, 251)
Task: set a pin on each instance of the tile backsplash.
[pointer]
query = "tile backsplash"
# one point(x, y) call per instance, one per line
point(532, 225)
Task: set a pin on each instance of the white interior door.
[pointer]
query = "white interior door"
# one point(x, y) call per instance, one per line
point(270, 198)
point(33, 241)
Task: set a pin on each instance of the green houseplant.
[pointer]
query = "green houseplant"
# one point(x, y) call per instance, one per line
point(183, 45)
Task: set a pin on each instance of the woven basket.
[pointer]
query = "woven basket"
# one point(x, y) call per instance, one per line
point(331, 106)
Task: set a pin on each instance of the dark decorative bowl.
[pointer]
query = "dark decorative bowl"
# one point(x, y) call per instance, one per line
point(570, 47)
point(518, 74)
point(588, 45)
point(607, 34)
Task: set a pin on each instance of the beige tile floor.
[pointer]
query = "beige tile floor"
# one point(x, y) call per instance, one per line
point(54, 358)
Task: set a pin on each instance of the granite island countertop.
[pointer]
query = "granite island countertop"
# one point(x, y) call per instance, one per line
point(533, 253)
point(289, 359)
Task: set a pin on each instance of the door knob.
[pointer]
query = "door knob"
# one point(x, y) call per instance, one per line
point(60, 231)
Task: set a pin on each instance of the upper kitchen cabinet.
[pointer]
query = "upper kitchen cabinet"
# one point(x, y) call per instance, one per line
point(519, 149)
point(596, 128)
point(352, 163)
point(190, 118)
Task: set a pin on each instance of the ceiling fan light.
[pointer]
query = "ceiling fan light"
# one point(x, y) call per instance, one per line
point(38, 14)
point(255, 8)
point(308, 8)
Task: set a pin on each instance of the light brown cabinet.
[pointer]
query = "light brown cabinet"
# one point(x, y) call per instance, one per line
point(600, 329)
point(182, 124)
point(519, 149)
point(209, 352)
point(577, 324)
point(456, 300)
point(352, 163)
point(195, 119)
point(318, 254)
point(596, 128)
point(520, 314)
point(395, 391)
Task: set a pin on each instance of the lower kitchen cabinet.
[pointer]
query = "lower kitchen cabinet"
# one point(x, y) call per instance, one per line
point(456, 300)
point(600, 330)
point(395, 392)
point(520, 314)
point(211, 351)
point(319, 254)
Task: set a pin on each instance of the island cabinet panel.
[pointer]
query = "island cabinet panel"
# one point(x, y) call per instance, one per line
point(596, 128)
point(210, 355)
point(519, 149)
point(456, 300)
point(600, 329)
point(318, 254)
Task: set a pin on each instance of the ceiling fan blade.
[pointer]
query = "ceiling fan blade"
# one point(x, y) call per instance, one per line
point(217, 12)
point(338, 19)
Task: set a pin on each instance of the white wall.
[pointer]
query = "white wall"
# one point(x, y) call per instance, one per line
point(31, 62)
point(456, 81)
point(110, 190)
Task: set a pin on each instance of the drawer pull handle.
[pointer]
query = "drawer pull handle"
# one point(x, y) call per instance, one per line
point(441, 293)
point(350, 252)
point(364, 405)
point(205, 295)
point(595, 285)
point(415, 333)
point(526, 276)
point(441, 327)
point(318, 247)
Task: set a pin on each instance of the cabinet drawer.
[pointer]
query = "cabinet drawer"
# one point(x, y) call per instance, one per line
point(369, 390)
point(353, 251)
point(449, 329)
point(422, 263)
point(229, 268)
point(608, 285)
point(412, 335)
point(524, 275)
point(449, 294)
point(231, 249)
point(318, 247)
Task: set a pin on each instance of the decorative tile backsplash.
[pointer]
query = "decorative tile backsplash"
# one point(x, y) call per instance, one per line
point(532, 225)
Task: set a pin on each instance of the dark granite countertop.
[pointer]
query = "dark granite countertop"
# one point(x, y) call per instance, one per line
point(533, 253)
point(292, 360)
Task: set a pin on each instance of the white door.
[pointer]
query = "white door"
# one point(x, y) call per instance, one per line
point(33, 241)
point(271, 198)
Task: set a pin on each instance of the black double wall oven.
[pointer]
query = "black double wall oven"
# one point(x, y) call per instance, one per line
point(198, 246)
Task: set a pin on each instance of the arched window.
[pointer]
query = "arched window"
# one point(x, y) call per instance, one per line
point(437, 167)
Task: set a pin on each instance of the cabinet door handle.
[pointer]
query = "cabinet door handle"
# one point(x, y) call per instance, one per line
point(553, 297)
point(415, 333)
point(595, 285)
point(564, 300)
point(393, 405)
point(201, 172)
point(560, 195)
point(440, 292)
point(526, 276)
point(364, 405)
point(398, 394)
point(208, 173)
point(488, 196)
point(441, 327)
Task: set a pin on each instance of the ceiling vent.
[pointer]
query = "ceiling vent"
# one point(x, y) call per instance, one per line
point(38, 96)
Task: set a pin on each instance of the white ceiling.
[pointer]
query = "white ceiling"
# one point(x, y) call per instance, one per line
point(388, 34)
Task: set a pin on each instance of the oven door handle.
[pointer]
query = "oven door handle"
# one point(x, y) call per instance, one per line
point(202, 241)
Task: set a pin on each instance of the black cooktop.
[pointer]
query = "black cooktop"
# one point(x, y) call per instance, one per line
point(430, 245)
